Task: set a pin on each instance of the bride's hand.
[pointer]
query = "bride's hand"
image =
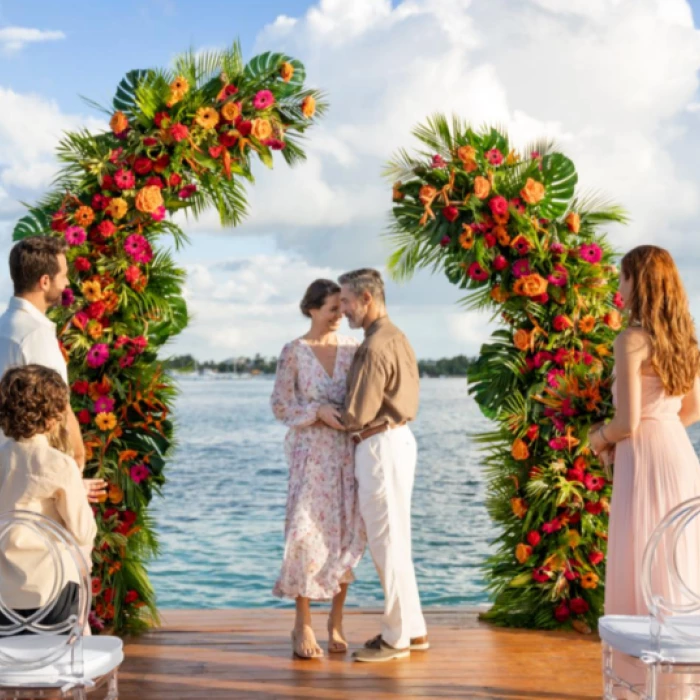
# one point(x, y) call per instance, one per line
point(330, 415)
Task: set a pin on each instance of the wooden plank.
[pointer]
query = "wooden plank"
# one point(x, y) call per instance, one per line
point(217, 654)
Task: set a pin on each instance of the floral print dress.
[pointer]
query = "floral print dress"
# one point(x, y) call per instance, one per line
point(324, 533)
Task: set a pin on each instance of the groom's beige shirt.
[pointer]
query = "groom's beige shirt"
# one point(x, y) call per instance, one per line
point(383, 381)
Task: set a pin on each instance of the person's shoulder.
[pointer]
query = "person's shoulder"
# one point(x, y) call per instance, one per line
point(633, 339)
point(348, 341)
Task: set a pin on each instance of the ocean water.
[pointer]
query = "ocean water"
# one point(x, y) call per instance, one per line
point(221, 521)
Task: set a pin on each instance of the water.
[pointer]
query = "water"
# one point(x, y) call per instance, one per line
point(222, 519)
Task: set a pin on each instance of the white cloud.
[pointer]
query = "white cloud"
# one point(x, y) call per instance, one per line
point(13, 39)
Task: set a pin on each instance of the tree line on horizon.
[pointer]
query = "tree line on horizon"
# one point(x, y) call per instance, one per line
point(185, 364)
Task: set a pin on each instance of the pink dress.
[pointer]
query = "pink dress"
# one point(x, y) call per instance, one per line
point(655, 470)
point(324, 533)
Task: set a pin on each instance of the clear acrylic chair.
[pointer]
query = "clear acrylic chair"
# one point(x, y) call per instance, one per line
point(667, 641)
point(54, 660)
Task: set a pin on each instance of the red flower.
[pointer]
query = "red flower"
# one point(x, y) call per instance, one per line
point(124, 179)
point(139, 344)
point(143, 165)
point(618, 300)
point(81, 387)
point(552, 526)
point(498, 205)
point(575, 475)
point(580, 463)
point(477, 273)
point(574, 518)
point(594, 508)
point(562, 612)
point(561, 323)
point(594, 483)
point(150, 141)
point(96, 310)
point(445, 241)
point(540, 574)
point(162, 120)
point(155, 181)
point(179, 132)
point(533, 432)
point(596, 557)
point(96, 586)
point(174, 180)
point(132, 274)
point(533, 538)
point(450, 213)
point(131, 597)
point(521, 245)
point(99, 201)
point(105, 229)
point(162, 163)
point(570, 575)
point(82, 264)
point(499, 263)
point(489, 240)
point(187, 191)
point(494, 156)
point(518, 205)
point(108, 595)
point(245, 127)
point(129, 517)
point(215, 151)
point(228, 139)
point(108, 182)
point(578, 606)
point(83, 416)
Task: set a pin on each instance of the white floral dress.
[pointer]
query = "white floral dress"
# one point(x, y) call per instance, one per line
point(324, 533)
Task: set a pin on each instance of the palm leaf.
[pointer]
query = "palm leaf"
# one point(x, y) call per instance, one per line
point(125, 97)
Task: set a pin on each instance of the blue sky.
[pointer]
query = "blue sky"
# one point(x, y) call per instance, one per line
point(621, 99)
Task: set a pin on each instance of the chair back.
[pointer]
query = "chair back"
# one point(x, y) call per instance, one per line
point(19, 654)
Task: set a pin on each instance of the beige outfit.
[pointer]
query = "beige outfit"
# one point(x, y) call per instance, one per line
point(383, 388)
point(38, 478)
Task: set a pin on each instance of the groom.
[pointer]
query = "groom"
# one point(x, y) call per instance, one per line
point(382, 398)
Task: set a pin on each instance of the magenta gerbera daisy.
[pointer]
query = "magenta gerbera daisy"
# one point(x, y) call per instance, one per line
point(75, 235)
point(521, 267)
point(494, 156)
point(591, 252)
point(263, 99)
point(97, 355)
point(139, 472)
point(124, 179)
point(103, 405)
point(477, 272)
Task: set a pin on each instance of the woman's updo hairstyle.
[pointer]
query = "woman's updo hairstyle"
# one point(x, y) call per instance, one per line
point(317, 294)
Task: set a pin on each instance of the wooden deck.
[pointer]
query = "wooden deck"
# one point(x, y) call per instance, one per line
point(217, 655)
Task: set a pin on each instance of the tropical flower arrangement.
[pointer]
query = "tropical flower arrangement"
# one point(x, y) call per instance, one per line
point(179, 140)
point(510, 230)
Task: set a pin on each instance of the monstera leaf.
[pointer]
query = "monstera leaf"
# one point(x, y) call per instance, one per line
point(37, 222)
point(125, 97)
point(560, 178)
point(268, 64)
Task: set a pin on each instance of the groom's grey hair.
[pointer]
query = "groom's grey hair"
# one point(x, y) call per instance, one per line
point(365, 280)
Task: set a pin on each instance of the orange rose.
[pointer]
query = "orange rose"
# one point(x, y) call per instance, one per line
point(533, 192)
point(286, 72)
point(499, 295)
point(482, 187)
point(530, 286)
point(573, 222)
point(613, 320)
point(149, 199)
point(519, 507)
point(117, 208)
point(586, 324)
point(308, 106)
point(427, 194)
point(466, 154)
point(466, 238)
point(502, 235)
point(522, 339)
point(523, 552)
point(520, 450)
point(470, 166)
point(397, 195)
point(119, 122)
point(230, 111)
point(262, 129)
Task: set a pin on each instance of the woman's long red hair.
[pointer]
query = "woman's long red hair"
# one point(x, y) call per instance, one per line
point(659, 305)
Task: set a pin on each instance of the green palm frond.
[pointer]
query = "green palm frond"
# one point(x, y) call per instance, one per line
point(436, 134)
point(596, 208)
point(232, 64)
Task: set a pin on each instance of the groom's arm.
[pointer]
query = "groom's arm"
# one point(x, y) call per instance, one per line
point(365, 394)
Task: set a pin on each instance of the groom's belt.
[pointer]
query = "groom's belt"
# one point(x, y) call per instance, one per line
point(357, 438)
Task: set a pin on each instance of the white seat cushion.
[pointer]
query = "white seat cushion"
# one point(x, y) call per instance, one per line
point(100, 656)
point(631, 634)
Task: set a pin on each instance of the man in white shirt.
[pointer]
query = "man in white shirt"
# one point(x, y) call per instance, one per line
point(39, 272)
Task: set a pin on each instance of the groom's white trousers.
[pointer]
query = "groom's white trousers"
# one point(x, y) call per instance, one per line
point(385, 466)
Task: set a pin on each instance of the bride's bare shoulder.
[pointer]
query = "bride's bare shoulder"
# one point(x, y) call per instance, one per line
point(633, 340)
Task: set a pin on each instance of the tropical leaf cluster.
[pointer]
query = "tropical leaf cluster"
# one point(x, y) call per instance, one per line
point(181, 139)
point(511, 230)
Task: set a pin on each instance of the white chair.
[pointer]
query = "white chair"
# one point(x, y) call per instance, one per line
point(668, 639)
point(54, 660)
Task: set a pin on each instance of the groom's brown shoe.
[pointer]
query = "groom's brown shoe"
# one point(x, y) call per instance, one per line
point(416, 643)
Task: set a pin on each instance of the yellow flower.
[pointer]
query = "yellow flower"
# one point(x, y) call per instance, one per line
point(92, 290)
point(94, 329)
point(117, 208)
point(590, 580)
point(180, 85)
point(149, 199)
point(261, 129)
point(573, 537)
point(286, 72)
point(119, 122)
point(106, 421)
point(207, 117)
point(230, 111)
point(308, 106)
point(512, 158)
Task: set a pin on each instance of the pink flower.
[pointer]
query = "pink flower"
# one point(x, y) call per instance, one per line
point(618, 301)
point(553, 377)
point(99, 202)
point(552, 526)
point(559, 424)
point(450, 213)
point(438, 162)
point(135, 244)
point(494, 156)
point(139, 472)
point(557, 248)
point(541, 574)
point(80, 319)
point(559, 443)
point(124, 179)
point(187, 191)
point(533, 538)
point(518, 205)
point(521, 245)
point(97, 355)
point(561, 323)
point(126, 361)
point(275, 144)
point(489, 240)
point(263, 99)
point(67, 297)
point(535, 155)
point(498, 205)
point(103, 405)
point(541, 357)
point(477, 273)
point(121, 341)
point(75, 235)
point(179, 132)
point(591, 252)
point(159, 214)
point(594, 483)
point(139, 344)
point(559, 276)
point(132, 274)
point(521, 267)
point(144, 255)
point(567, 410)
point(445, 241)
point(116, 154)
point(499, 263)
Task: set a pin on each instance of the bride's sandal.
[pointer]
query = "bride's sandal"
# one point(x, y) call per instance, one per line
point(336, 646)
point(300, 652)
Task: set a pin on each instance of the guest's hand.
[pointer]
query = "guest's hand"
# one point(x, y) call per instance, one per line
point(96, 490)
point(330, 415)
